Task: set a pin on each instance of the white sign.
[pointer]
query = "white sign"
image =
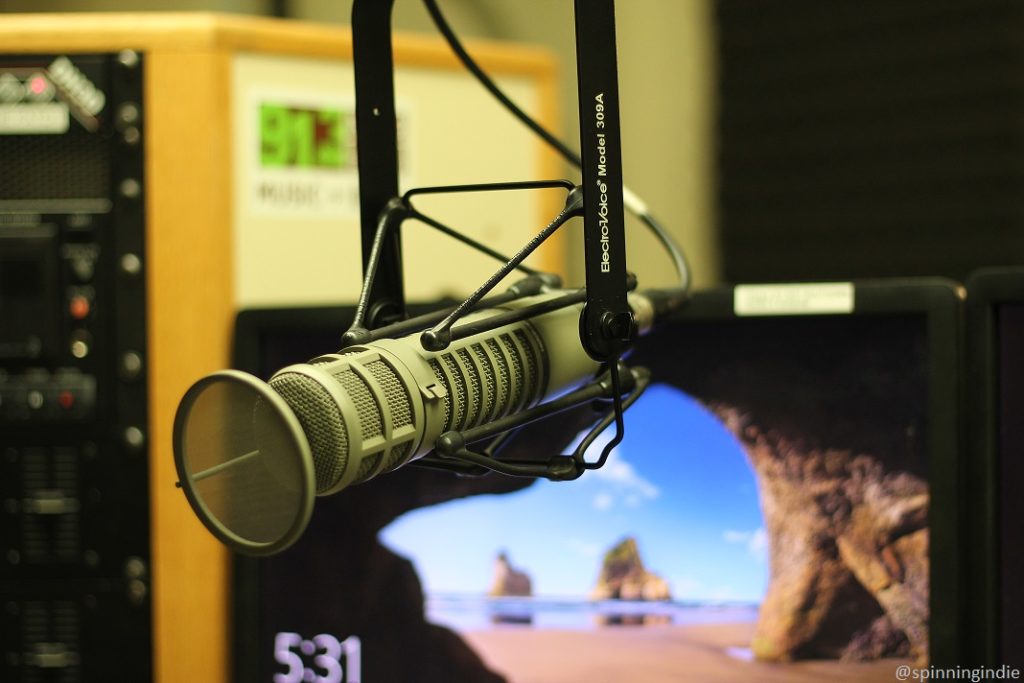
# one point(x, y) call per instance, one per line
point(301, 156)
point(793, 299)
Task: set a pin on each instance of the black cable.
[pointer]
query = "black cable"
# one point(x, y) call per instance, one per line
point(675, 252)
point(492, 87)
point(633, 203)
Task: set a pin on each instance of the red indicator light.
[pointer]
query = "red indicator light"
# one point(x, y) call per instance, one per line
point(38, 85)
point(79, 307)
point(66, 400)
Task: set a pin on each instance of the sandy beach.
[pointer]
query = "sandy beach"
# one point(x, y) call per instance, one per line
point(651, 654)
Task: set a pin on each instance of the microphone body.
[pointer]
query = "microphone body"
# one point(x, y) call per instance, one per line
point(369, 409)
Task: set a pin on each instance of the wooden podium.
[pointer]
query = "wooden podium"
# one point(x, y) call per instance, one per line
point(216, 242)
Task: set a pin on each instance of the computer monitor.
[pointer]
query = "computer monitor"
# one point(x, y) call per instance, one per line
point(783, 507)
point(994, 506)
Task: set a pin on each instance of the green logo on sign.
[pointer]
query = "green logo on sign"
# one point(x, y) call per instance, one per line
point(296, 137)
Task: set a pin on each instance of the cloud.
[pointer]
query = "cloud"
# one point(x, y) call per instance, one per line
point(620, 482)
point(622, 474)
point(756, 541)
point(731, 536)
point(758, 544)
point(584, 548)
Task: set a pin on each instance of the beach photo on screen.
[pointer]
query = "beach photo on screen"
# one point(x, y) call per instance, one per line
point(779, 522)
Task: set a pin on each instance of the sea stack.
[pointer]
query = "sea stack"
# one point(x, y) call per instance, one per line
point(624, 577)
point(510, 582)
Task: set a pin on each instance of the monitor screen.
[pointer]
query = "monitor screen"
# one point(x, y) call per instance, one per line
point(767, 515)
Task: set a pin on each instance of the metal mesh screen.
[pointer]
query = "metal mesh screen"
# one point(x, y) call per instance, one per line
point(487, 377)
point(322, 423)
point(460, 391)
point(394, 393)
point(367, 466)
point(398, 455)
point(447, 405)
point(502, 380)
point(531, 366)
point(477, 404)
point(510, 380)
point(366, 406)
point(519, 387)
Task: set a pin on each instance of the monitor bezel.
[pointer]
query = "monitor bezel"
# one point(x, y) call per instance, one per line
point(987, 290)
point(939, 299)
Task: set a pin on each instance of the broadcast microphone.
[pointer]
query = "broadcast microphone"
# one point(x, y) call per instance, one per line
point(252, 455)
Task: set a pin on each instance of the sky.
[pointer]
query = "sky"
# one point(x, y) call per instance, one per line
point(679, 483)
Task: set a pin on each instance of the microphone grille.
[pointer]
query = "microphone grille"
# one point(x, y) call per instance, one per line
point(377, 394)
point(357, 408)
point(532, 369)
point(506, 388)
point(455, 386)
point(489, 379)
point(321, 421)
point(394, 392)
point(367, 468)
point(366, 407)
point(478, 401)
point(493, 403)
point(398, 456)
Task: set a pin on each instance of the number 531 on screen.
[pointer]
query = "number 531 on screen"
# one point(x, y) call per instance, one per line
point(321, 659)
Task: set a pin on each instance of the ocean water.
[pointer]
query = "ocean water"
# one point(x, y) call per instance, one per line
point(463, 612)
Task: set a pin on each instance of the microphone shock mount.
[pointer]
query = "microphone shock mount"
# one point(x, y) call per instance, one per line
point(607, 326)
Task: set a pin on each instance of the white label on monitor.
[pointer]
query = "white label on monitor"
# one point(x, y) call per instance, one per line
point(43, 118)
point(793, 299)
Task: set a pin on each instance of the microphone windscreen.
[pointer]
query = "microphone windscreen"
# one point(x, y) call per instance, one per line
point(243, 462)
